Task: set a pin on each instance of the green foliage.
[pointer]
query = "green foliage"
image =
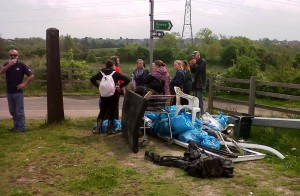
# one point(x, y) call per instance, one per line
point(283, 71)
point(142, 53)
point(213, 52)
point(3, 52)
point(205, 36)
point(170, 41)
point(132, 52)
point(79, 69)
point(228, 55)
point(91, 58)
point(296, 63)
point(66, 43)
point(278, 61)
point(165, 54)
point(244, 67)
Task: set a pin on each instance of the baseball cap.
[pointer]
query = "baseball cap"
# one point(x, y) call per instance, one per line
point(195, 52)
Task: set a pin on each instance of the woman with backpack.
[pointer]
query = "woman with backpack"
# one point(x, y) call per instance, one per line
point(109, 94)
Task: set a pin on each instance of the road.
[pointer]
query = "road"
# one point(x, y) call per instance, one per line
point(87, 106)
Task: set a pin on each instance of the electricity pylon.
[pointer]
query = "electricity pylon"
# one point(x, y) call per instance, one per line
point(187, 32)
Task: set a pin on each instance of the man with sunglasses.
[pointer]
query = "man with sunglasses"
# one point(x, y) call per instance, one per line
point(15, 71)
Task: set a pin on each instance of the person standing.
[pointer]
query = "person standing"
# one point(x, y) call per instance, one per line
point(160, 71)
point(139, 73)
point(117, 68)
point(177, 80)
point(198, 68)
point(188, 82)
point(15, 71)
point(108, 105)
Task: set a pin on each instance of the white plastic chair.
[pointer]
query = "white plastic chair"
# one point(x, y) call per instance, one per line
point(193, 103)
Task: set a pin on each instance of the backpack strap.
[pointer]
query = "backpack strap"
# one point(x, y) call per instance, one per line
point(103, 74)
point(112, 73)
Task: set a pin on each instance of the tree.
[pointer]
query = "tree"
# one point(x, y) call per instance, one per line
point(228, 55)
point(296, 63)
point(3, 53)
point(170, 40)
point(142, 53)
point(206, 36)
point(67, 43)
point(213, 52)
point(245, 66)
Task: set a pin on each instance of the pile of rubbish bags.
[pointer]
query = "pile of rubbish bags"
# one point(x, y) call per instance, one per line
point(182, 127)
point(184, 130)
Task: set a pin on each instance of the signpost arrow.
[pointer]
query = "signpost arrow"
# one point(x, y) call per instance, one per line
point(165, 25)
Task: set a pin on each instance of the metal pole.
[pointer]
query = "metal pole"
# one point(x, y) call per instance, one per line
point(151, 33)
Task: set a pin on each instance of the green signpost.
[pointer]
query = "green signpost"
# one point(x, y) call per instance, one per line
point(165, 25)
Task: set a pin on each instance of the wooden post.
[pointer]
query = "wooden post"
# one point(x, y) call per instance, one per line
point(70, 79)
point(252, 89)
point(55, 106)
point(211, 91)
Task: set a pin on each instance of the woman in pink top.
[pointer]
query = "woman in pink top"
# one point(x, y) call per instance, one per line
point(159, 70)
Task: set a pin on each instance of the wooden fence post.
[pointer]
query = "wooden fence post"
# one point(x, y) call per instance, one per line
point(211, 91)
point(70, 77)
point(55, 106)
point(252, 89)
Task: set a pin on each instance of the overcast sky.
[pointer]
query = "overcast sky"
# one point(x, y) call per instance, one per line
point(254, 19)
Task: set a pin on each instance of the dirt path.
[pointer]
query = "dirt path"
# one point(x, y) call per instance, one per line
point(87, 106)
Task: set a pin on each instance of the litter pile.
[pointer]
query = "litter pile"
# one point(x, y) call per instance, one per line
point(196, 162)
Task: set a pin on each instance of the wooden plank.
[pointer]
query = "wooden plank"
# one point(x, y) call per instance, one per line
point(239, 90)
point(279, 84)
point(233, 80)
point(278, 95)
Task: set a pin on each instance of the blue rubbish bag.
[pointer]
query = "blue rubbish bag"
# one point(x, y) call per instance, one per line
point(222, 119)
point(192, 135)
point(116, 127)
point(211, 142)
point(181, 123)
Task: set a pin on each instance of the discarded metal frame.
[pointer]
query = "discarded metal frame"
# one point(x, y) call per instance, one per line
point(250, 155)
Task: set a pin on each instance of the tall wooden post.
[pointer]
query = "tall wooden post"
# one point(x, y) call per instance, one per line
point(211, 91)
point(55, 106)
point(252, 89)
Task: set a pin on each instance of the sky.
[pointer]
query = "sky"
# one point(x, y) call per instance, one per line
point(254, 19)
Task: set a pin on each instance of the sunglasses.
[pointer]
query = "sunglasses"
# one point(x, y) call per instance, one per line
point(13, 55)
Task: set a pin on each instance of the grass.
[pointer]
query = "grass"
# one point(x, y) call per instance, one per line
point(67, 159)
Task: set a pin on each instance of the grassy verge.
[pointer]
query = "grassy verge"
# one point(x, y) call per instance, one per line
point(67, 159)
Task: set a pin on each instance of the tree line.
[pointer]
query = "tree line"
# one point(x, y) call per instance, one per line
point(237, 57)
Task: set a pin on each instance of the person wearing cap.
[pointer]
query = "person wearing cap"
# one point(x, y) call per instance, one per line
point(15, 83)
point(198, 68)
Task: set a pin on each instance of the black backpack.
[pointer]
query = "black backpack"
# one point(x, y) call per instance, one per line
point(155, 84)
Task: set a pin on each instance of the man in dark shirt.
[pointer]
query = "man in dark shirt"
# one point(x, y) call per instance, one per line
point(198, 68)
point(15, 71)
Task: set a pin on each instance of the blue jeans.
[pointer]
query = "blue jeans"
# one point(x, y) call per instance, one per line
point(16, 109)
point(200, 95)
